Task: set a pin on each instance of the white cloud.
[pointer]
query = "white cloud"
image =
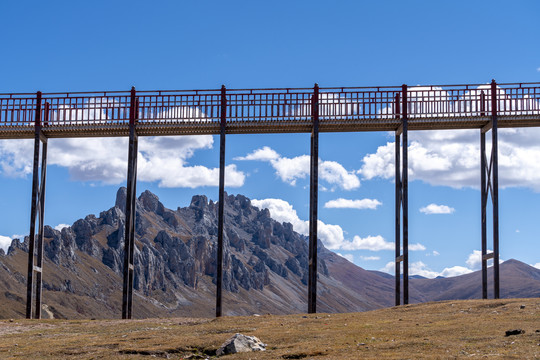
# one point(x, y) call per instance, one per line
point(416, 247)
point(452, 158)
point(335, 173)
point(389, 268)
point(353, 204)
point(421, 269)
point(349, 257)
point(455, 271)
point(370, 258)
point(160, 159)
point(290, 170)
point(282, 211)
point(538, 69)
point(16, 157)
point(537, 265)
point(263, 154)
point(5, 242)
point(436, 253)
point(373, 243)
point(474, 260)
point(59, 227)
point(436, 209)
point(332, 236)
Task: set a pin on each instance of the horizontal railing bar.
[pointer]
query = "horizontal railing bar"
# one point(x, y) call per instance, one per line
point(257, 90)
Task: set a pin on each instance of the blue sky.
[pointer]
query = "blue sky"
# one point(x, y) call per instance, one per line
point(104, 45)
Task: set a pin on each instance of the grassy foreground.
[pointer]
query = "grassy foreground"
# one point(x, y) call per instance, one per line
point(445, 330)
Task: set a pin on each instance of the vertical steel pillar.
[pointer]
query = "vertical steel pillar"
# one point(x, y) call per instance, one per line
point(37, 210)
point(131, 211)
point(405, 196)
point(402, 200)
point(489, 181)
point(484, 191)
point(398, 258)
point(221, 203)
point(495, 189)
point(313, 202)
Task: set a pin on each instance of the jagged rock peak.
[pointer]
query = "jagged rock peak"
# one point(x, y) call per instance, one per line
point(121, 196)
point(150, 201)
point(199, 202)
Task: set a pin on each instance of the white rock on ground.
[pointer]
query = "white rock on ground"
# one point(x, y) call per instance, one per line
point(241, 343)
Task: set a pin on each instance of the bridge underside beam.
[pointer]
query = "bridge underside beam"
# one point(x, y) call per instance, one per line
point(172, 128)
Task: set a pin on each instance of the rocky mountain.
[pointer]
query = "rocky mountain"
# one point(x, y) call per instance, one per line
point(265, 267)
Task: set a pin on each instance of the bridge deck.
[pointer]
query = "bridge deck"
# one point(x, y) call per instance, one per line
point(257, 111)
point(263, 127)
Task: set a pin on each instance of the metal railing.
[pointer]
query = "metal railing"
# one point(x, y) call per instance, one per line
point(268, 105)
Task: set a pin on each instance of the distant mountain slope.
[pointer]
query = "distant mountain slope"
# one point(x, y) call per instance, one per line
point(265, 267)
point(516, 280)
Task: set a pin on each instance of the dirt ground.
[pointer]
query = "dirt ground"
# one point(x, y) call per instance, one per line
point(442, 330)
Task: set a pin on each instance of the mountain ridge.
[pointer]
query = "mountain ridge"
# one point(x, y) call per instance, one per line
point(265, 266)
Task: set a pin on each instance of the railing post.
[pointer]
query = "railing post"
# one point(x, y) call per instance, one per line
point(131, 211)
point(37, 210)
point(313, 201)
point(221, 203)
point(495, 189)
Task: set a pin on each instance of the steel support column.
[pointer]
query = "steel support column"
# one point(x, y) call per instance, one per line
point(131, 211)
point(495, 189)
point(489, 183)
point(221, 203)
point(313, 202)
point(402, 199)
point(35, 263)
point(484, 192)
point(398, 257)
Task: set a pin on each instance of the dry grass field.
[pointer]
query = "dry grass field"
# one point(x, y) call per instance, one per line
point(444, 330)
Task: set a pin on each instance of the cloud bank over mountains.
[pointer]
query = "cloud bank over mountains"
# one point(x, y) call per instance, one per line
point(104, 160)
point(332, 236)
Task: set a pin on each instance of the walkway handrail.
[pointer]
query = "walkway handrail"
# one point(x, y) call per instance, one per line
point(268, 105)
